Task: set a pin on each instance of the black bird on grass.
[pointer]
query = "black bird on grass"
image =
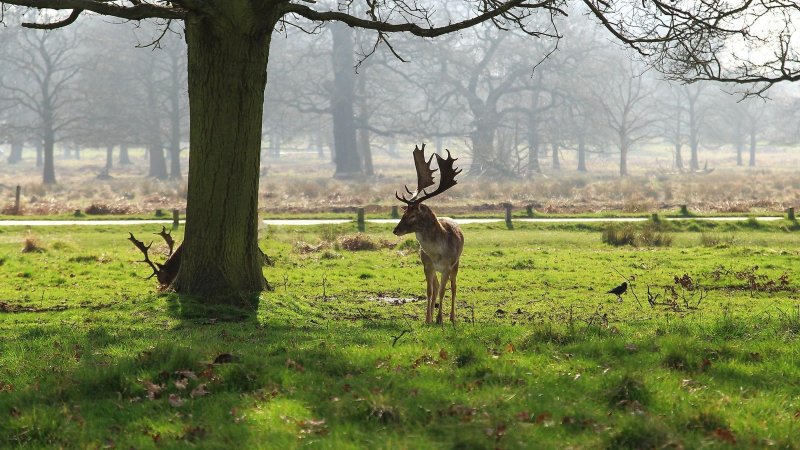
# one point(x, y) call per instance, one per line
point(619, 290)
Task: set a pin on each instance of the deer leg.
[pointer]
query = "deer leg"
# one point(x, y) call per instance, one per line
point(430, 278)
point(442, 290)
point(453, 275)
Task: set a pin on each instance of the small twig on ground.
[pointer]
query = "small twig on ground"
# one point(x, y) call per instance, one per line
point(397, 338)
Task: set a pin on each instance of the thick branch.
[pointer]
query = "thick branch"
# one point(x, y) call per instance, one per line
point(137, 11)
point(378, 25)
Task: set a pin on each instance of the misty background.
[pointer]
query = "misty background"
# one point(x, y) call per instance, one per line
point(87, 115)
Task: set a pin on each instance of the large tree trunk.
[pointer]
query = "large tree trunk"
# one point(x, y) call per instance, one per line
point(623, 155)
point(678, 156)
point(124, 157)
point(556, 160)
point(49, 141)
point(533, 136)
point(694, 163)
point(753, 134)
point(175, 120)
point(365, 150)
point(39, 153)
point(581, 152)
point(109, 158)
point(739, 151)
point(482, 146)
point(158, 163)
point(348, 162)
point(16, 153)
point(227, 68)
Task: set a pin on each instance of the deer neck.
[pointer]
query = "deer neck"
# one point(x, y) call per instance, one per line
point(431, 231)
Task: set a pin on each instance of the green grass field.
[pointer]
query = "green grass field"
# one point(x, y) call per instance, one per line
point(91, 356)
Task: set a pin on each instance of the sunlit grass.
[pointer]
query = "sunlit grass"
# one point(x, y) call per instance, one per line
point(540, 356)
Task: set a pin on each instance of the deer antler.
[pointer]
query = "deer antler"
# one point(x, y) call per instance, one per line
point(425, 176)
point(167, 238)
point(145, 249)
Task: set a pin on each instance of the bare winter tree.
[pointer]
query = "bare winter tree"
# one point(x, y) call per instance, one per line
point(733, 41)
point(625, 97)
point(51, 65)
point(228, 50)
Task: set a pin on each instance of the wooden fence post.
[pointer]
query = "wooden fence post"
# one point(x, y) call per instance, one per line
point(17, 209)
point(395, 213)
point(509, 224)
point(529, 210)
point(176, 215)
point(790, 214)
point(684, 211)
point(360, 219)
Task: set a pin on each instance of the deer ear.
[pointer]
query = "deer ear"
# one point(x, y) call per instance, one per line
point(404, 208)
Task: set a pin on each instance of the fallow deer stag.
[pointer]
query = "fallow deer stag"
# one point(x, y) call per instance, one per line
point(164, 273)
point(440, 240)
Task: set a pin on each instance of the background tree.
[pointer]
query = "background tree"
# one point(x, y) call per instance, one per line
point(228, 50)
point(51, 63)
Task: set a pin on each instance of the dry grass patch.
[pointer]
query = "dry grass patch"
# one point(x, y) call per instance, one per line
point(96, 209)
point(360, 242)
point(31, 244)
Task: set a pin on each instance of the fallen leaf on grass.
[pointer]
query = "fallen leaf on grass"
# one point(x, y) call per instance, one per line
point(186, 374)
point(292, 364)
point(312, 426)
point(223, 358)
point(510, 348)
point(497, 432)
point(175, 401)
point(237, 418)
point(181, 384)
point(443, 354)
point(199, 391)
point(153, 390)
point(193, 433)
point(15, 412)
point(724, 435)
point(523, 416)
point(544, 418)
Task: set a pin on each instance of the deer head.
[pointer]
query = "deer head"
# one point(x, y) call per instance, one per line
point(417, 216)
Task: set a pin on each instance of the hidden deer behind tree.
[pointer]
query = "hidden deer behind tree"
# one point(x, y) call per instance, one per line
point(440, 240)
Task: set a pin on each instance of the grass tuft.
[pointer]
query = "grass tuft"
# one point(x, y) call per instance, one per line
point(628, 392)
point(31, 244)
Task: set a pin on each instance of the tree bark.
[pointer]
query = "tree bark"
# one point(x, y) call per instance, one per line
point(175, 119)
point(581, 152)
point(739, 150)
point(227, 68)
point(678, 156)
point(158, 164)
point(348, 162)
point(482, 145)
point(365, 150)
point(623, 154)
point(533, 136)
point(109, 158)
point(39, 153)
point(124, 157)
point(15, 156)
point(48, 143)
point(556, 160)
point(753, 135)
